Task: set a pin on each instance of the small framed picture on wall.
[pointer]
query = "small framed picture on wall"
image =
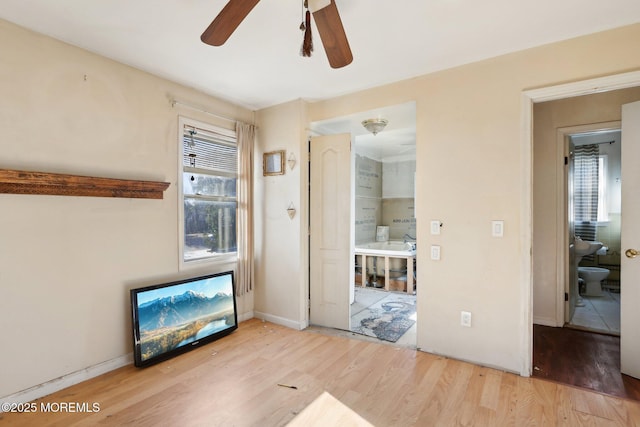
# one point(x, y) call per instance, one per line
point(273, 163)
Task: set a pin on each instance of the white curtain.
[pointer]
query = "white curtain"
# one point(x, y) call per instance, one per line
point(246, 136)
point(586, 190)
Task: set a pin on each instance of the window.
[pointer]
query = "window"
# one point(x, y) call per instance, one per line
point(603, 211)
point(209, 176)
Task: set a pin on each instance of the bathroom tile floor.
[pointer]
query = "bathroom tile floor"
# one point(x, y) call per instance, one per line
point(601, 314)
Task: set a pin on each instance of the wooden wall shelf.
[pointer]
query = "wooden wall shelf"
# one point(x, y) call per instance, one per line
point(23, 182)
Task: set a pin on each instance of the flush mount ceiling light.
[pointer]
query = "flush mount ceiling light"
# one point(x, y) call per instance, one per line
point(375, 125)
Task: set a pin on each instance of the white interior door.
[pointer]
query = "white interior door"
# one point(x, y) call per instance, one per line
point(630, 242)
point(572, 284)
point(330, 230)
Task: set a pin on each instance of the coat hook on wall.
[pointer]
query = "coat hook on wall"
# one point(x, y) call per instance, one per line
point(291, 161)
point(291, 210)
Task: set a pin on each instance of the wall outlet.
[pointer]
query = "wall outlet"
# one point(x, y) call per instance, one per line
point(465, 318)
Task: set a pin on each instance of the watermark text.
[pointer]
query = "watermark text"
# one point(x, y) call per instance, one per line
point(55, 407)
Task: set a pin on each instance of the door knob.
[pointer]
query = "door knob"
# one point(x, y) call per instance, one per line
point(631, 253)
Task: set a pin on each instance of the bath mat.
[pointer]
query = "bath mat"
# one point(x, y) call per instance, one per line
point(387, 319)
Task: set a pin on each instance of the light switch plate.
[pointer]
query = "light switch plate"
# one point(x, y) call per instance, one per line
point(497, 228)
point(435, 227)
point(435, 252)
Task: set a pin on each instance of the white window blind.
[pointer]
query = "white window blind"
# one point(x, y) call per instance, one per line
point(205, 149)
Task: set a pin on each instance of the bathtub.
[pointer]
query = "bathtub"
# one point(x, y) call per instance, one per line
point(397, 261)
point(391, 248)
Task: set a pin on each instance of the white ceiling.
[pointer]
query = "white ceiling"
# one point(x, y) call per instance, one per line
point(260, 65)
point(396, 142)
point(597, 137)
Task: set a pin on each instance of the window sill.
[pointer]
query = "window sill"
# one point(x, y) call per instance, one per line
point(228, 258)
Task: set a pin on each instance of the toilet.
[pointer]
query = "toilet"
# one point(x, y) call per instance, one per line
point(592, 277)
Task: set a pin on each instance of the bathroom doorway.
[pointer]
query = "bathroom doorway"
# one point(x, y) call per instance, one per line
point(382, 301)
point(593, 177)
point(554, 123)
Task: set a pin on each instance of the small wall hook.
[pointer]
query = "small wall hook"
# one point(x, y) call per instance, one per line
point(291, 210)
point(291, 161)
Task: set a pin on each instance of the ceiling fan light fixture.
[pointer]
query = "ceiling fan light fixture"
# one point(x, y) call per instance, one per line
point(375, 125)
point(325, 14)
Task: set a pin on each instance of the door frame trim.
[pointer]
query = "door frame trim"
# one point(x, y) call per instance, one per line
point(528, 98)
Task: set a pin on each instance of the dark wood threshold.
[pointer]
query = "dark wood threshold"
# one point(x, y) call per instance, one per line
point(582, 359)
point(24, 182)
point(590, 330)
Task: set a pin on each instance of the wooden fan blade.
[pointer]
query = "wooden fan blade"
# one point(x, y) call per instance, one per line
point(227, 21)
point(333, 36)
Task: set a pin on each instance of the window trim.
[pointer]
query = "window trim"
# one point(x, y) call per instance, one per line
point(226, 258)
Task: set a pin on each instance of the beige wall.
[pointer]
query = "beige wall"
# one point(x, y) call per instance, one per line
point(281, 243)
point(67, 263)
point(548, 118)
point(469, 172)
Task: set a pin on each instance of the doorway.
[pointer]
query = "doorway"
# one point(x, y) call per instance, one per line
point(586, 344)
point(382, 202)
point(551, 294)
point(593, 198)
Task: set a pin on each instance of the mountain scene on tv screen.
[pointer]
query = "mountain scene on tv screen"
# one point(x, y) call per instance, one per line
point(170, 322)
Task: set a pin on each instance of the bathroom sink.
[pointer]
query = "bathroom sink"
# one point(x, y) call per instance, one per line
point(585, 247)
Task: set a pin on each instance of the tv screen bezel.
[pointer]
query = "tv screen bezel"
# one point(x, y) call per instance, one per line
point(187, 347)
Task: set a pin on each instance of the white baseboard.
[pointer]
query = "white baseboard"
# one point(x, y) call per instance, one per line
point(68, 380)
point(280, 321)
point(245, 316)
point(545, 321)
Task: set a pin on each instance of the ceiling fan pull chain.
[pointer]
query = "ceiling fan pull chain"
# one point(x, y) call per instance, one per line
point(307, 44)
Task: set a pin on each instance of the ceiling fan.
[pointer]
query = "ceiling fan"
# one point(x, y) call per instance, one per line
point(325, 14)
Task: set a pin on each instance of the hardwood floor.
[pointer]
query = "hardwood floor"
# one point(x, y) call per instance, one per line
point(235, 382)
point(582, 359)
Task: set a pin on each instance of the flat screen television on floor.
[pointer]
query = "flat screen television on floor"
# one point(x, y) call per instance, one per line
point(171, 318)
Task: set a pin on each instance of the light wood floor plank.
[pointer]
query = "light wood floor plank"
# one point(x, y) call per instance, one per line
point(631, 413)
point(490, 397)
point(235, 382)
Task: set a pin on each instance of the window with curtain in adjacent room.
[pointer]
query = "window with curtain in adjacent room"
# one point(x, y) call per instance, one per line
point(209, 191)
point(586, 190)
point(603, 209)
